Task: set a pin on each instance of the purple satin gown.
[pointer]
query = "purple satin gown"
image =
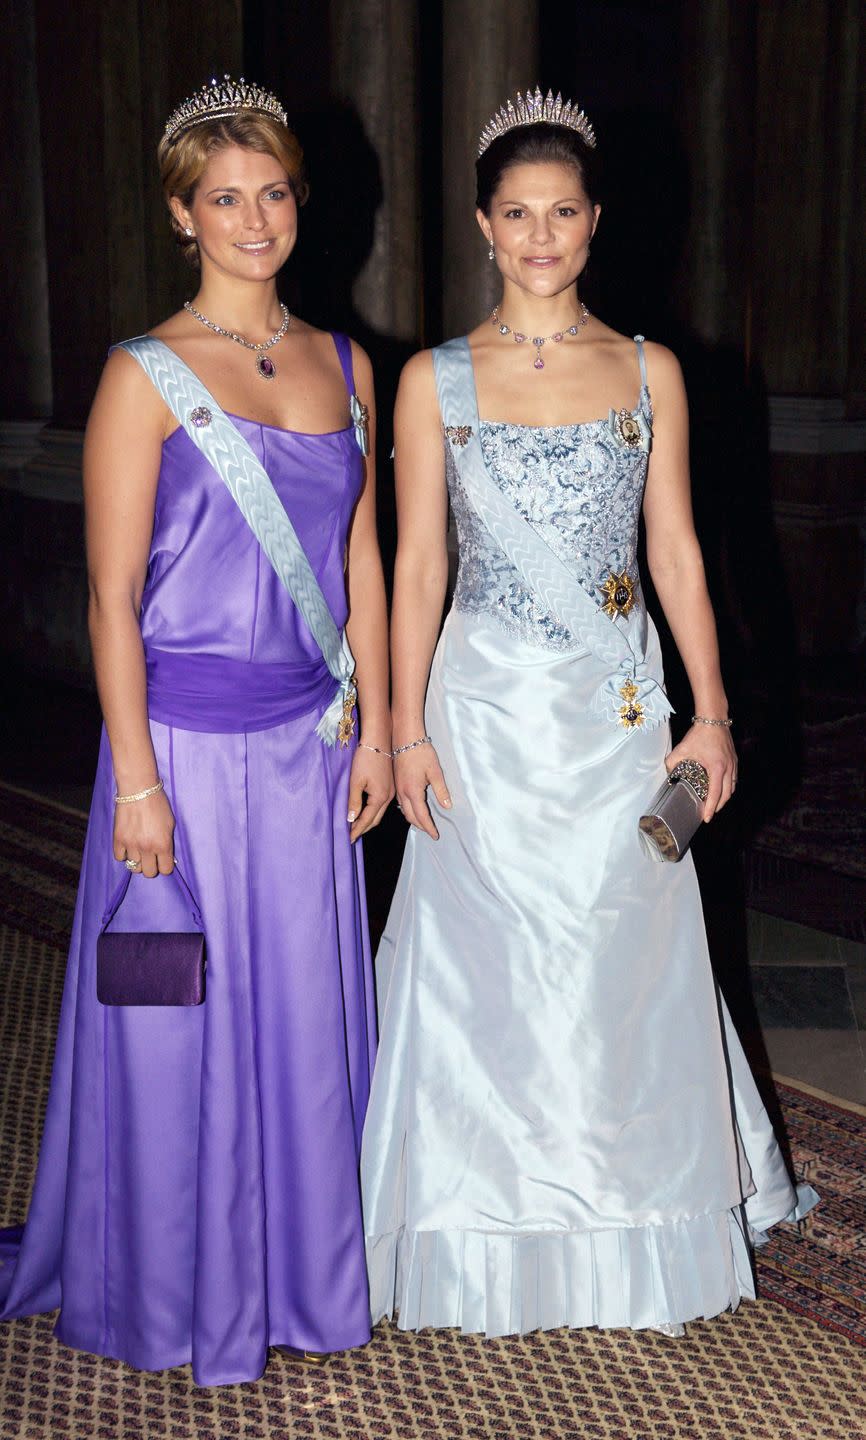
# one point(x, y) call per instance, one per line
point(197, 1195)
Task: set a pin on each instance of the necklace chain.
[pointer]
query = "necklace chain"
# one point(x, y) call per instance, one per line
point(539, 340)
point(264, 366)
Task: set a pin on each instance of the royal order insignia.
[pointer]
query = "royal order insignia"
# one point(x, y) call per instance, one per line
point(459, 434)
point(346, 727)
point(629, 428)
point(619, 594)
point(631, 713)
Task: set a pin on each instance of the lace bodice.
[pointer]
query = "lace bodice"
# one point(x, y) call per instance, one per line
point(579, 486)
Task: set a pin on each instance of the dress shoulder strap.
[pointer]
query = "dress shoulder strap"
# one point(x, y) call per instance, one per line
point(344, 351)
point(641, 359)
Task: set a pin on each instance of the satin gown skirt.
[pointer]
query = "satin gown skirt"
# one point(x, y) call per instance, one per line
point(551, 1138)
point(197, 1195)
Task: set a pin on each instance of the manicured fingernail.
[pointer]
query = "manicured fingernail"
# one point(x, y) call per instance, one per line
point(447, 800)
point(350, 817)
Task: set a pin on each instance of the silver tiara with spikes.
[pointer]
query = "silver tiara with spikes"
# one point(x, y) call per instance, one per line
point(219, 100)
point(535, 109)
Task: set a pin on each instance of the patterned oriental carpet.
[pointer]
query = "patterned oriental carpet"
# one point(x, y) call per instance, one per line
point(791, 1366)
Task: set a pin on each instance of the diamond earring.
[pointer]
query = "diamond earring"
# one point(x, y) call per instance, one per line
point(188, 230)
point(491, 254)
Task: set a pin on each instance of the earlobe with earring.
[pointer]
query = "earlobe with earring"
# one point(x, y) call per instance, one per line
point(188, 230)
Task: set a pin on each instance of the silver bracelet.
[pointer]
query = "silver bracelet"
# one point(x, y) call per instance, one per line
point(413, 745)
point(705, 720)
point(140, 794)
point(362, 745)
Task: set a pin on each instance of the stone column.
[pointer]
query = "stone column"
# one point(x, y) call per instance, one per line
point(490, 50)
point(374, 66)
point(110, 267)
point(25, 353)
point(808, 298)
point(718, 95)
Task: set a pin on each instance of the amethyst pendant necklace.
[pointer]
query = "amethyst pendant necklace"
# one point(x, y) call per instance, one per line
point(264, 364)
point(539, 340)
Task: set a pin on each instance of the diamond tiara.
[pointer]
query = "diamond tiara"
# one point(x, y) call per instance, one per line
point(218, 100)
point(534, 109)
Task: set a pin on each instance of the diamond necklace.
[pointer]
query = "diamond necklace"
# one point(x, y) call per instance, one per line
point(264, 364)
point(539, 340)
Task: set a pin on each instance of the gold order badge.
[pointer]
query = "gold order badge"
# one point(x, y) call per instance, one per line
point(619, 594)
point(346, 727)
point(631, 713)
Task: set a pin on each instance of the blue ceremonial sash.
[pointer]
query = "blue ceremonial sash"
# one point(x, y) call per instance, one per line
point(250, 487)
point(618, 643)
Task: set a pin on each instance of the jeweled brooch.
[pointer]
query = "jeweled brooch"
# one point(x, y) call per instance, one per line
point(459, 434)
point(629, 428)
point(361, 420)
point(619, 594)
point(200, 417)
point(631, 713)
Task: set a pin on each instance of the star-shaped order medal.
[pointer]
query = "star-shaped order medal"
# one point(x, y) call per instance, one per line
point(631, 713)
point(618, 592)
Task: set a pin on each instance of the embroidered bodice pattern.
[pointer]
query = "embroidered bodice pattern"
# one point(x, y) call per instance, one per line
point(580, 487)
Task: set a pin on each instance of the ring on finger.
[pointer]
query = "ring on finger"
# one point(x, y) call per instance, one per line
point(132, 864)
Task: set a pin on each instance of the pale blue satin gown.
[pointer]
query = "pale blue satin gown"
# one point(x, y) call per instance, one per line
point(563, 1128)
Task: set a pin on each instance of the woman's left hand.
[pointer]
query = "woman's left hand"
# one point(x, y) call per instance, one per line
point(371, 775)
point(712, 747)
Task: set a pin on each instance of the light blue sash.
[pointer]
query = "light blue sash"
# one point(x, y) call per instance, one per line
point(250, 487)
point(619, 643)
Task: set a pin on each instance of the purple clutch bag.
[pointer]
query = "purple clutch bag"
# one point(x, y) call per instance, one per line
point(150, 967)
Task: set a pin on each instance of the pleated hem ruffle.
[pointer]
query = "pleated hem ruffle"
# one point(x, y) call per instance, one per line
point(496, 1283)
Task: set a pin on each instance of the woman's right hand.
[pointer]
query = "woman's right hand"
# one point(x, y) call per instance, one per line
point(144, 831)
point(414, 770)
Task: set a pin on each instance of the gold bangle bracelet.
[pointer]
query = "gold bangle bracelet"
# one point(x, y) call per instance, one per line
point(140, 794)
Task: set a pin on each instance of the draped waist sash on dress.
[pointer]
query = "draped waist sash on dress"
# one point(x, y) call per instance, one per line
point(217, 693)
point(619, 644)
point(222, 696)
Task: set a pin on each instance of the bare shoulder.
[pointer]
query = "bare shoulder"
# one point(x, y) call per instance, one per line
point(416, 393)
point(661, 361)
point(417, 377)
point(125, 388)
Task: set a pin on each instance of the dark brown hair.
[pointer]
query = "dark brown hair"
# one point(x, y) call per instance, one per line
point(540, 144)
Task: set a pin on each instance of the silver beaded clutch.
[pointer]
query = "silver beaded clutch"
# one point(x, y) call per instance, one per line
point(675, 813)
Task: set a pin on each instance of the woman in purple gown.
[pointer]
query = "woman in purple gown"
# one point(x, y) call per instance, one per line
point(197, 1193)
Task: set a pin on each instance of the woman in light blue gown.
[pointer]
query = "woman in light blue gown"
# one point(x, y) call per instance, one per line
point(563, 1129)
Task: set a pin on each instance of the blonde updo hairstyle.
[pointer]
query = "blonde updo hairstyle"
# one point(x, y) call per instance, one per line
point(183, 159)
